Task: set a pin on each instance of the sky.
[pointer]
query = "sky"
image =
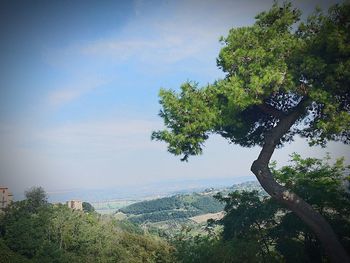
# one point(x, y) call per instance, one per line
point(79, 83)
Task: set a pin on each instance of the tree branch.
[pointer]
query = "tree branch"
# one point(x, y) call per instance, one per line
point(292, 201)
point(273, 137)
point(268, 109)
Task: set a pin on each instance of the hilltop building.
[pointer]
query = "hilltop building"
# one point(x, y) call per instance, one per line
point(75, 204)
point(6, 197)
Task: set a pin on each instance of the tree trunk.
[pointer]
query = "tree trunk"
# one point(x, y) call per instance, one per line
point(308, 215)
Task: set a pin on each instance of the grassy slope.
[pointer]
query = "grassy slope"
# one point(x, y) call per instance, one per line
point(174, 207)
point(180, 207)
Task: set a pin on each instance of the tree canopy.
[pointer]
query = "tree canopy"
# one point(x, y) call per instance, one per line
point(35, 197)
point(283, 78)
point(270, 68)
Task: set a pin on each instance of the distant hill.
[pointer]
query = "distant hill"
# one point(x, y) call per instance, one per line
point(182, 207)
point(174, 207)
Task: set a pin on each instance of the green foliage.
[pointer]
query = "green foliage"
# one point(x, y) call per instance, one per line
point(35, 198)
point(270, 67)
point(8, 256)
point(325, 187)
point(56, 233)
point(87, 207)
point(24, 226)
point(317, 181)
point(163, 216)
point(257, 229)
point(277, 231)
point(246, 211)
point(207, 204)
point(129, 227)
point(166, 203)
point(324, 62)
point(191, 249)
point(207, 248)
point(190, 117)
point(171, 208)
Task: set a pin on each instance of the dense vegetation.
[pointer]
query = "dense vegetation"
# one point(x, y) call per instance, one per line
point(258, 229)
point(181, 207)
point(174, 207)
point(36, 231)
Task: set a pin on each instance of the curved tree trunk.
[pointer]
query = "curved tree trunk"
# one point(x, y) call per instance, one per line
point(308, 215)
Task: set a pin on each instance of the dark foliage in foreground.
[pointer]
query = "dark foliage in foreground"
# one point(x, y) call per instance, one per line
point(258, 229)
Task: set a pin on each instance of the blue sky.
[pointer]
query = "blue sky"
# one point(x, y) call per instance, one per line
point(79, 90)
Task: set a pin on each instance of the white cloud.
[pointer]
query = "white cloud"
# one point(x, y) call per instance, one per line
point(63, 96)
point(177, 30)
point(165, 34)
point(166, 37)
point(167, 49)
point(71, 92)
point(64, 155)
point(98, 137)
point(92, 139)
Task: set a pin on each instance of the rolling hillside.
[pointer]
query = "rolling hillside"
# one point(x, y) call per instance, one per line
point(174, 207)
point(181, 207)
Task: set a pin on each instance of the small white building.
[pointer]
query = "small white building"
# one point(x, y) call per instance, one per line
point(75, 204)
point(6, 197)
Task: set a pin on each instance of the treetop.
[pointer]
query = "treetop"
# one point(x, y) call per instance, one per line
point(271, 66)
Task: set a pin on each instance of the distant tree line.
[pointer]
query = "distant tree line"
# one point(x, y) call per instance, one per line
point(172, 208)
